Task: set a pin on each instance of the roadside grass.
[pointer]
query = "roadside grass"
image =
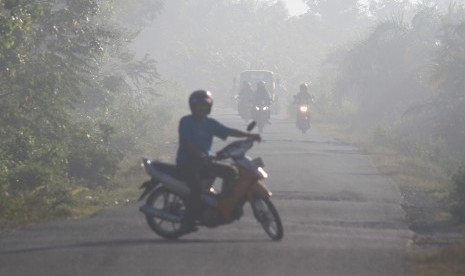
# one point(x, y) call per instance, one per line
point(78, 203)
point(410, 172)
point(125, 190)
point(89, 202)
point(448, 261)
point(418, 176)
point(83, 202)
point(407, 171)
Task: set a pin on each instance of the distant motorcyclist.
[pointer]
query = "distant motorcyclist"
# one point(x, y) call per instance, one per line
point(262, 97)
point(193, 160)
point(303, 96)
point(303, 99)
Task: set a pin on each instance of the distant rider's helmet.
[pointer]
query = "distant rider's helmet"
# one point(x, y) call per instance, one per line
point(201, 97)
point(304, 87)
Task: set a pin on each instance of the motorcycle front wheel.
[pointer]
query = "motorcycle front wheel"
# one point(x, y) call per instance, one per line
point(268, 217)
point(171, 203)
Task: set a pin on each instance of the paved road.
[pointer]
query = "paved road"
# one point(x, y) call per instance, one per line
point(340, 216)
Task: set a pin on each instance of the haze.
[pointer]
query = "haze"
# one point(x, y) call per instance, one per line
point(89, 87)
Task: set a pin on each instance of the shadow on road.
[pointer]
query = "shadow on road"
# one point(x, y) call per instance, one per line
point(128, 243)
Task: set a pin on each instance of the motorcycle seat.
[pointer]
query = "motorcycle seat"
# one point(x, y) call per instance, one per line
point(173, 171)
point(167, 168)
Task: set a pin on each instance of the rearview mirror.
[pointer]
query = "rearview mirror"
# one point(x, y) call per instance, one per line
point(251, 126)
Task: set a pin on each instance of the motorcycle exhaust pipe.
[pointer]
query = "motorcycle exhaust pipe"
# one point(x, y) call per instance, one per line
point(159, 214)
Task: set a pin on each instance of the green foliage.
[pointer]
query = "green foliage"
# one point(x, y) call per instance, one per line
point(406, 81)
point(448, 83)
point(54, 57)
point(91, 159)
point(33, 190)
point(137, 13)
point(410, 143)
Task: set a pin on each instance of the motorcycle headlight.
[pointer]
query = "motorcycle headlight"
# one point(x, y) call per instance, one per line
point(265, 108)
point(303, 108)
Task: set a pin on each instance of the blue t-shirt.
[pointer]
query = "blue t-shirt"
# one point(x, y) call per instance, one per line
point(199, 132)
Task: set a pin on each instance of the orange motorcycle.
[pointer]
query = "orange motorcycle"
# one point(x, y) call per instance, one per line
point(166, 195)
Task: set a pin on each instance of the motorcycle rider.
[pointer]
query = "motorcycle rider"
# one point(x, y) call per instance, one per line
point(193, 160)
point(262, 96)
point(303, 97)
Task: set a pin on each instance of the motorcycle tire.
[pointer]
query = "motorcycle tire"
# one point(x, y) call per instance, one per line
point(267, 215)
point(168, 201)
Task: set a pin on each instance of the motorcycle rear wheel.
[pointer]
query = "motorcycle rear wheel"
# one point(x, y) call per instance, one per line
point(170, 202)
point(268, 217)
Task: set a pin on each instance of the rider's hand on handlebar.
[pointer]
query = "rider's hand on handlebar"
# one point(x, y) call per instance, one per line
point(207, 159)
point(255, 137)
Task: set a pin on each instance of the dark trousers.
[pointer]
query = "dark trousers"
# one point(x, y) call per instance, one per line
point(193, 174)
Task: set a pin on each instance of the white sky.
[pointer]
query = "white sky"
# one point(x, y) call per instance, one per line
point(297, 7)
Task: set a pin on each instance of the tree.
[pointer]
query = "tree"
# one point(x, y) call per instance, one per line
point(448, 82)
point(385, 72)
point(205, 43)
point(53, 55)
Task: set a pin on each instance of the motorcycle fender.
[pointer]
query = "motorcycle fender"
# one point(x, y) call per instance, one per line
point(148, 186)
point(260, 188)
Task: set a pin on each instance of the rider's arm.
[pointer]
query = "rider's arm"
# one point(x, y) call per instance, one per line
point(239, 133)
point(223, 132)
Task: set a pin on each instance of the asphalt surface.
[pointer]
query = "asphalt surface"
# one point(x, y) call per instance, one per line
point(340, 216)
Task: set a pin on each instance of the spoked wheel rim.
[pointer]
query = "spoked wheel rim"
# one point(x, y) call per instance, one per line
point(169, 202)
point(266, 214)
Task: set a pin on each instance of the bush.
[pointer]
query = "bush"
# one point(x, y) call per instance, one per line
point(33, 191)
point(92, 160)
